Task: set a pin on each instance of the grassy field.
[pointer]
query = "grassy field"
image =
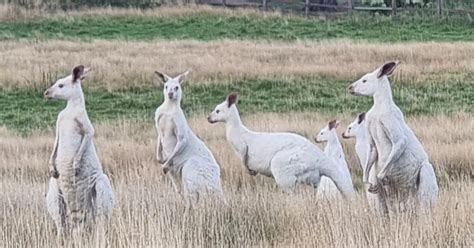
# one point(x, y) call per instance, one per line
point(25, 110)
point(211, 25)
point(291, 74)
point(258, 214)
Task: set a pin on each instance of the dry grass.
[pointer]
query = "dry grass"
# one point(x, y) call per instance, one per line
point(149, 214)
point(119, 64)
point(15, 12)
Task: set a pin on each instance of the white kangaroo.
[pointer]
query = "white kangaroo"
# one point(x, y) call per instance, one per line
point(289, 158)
point(358, 130)
point(191, 165)
point(335, 152)
point(79, 192)
point(403, 167)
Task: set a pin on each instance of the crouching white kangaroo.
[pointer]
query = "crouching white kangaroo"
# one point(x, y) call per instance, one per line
point(79, 192)
point(191, 165)
point(289, 158)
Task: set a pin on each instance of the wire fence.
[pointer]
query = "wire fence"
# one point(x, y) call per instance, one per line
point(306, 7)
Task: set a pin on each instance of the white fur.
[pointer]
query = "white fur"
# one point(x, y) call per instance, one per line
point(289, 158)
point(393, 147)
point(335, 152)
point(191, 165)
point(357, 130)
point(82, 193)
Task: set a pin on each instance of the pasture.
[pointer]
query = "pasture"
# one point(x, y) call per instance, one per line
point(291, 74)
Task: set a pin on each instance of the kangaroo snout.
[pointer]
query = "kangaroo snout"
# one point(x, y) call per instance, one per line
point(350, 88)
point(209, 119)
point(344, 136)
point(47, 94)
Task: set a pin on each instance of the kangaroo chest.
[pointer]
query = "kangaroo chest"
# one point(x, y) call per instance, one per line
point(381, 139)
point(71, 133)
point(168, 138)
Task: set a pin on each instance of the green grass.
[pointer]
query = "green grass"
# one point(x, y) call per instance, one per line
point(24, 110)
point(206, 26)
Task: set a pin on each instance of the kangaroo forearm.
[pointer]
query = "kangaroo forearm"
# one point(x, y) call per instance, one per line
point(395, 153)
point(370, 162)
point(84, 143)
point(177, 149)
point(53, 156)
point(159, 150)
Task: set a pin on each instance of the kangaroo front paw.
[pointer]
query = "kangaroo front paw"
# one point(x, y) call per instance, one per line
point(374, 188)
point(252, 172)
point(54, 173)
point(383, 180)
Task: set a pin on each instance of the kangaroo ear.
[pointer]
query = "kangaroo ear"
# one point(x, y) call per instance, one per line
point(182, 77)
point(333, 124)
point(86, 71)
point(77, 73)
point(361, 118)
point(163, 77)
point(232, 98)
point(387, 69)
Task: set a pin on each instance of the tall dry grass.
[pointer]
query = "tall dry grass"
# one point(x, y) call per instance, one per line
point(119, 64)
point(257, 214)
point(15, 12)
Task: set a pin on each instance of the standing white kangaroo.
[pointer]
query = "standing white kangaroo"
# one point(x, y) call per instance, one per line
point(289, 158)
point(358, 130)
point(191, 165)
point(79, 192)
point(335, 152)
point(403, 168)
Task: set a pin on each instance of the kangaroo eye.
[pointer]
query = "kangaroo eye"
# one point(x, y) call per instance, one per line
point(176, 88)
point(166, 87)
point(61, 85)
point(364, 81)
point(217, 111)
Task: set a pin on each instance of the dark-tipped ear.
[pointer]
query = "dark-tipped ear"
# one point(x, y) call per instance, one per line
point(361, 118)
point(333, 124)
point(387, 69)
point(232, 98)
point(163, 77)
point(77, 73)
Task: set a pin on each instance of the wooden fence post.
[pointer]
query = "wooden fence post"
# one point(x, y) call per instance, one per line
point(264, 4)
point(440, 8)
point(224, 3)
point(394, 7)
point(306, 8)
point(351, 5)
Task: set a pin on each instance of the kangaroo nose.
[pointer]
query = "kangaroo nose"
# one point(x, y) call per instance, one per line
point(209, 119)
point(350, 88)
point(46, 94)
point(343, 135)
point(170, 95)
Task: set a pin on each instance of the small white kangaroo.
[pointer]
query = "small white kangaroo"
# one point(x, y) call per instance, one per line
point(79, 192)
point(358, 130)
point(403, 168)
point(335, 152)
point(288, 158)
point(191, 165)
